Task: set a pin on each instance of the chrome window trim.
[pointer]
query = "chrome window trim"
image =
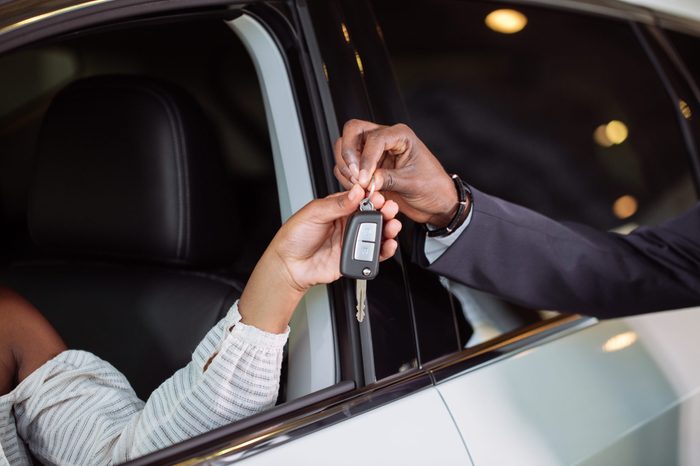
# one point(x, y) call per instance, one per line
point(28, 12)
point(34, 18)
point(275, 434)
point(506, 346)
point(35, 24)
point(678, 24)
point(607, 8)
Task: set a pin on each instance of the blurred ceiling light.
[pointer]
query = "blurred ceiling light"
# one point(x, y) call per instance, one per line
point(625, 206)
point(600, 137)
point(685, 109)
point(359, 63)
point(346, 34)
point(506, 21)
point(620, 341)
point(610, 134)
point(616, 131)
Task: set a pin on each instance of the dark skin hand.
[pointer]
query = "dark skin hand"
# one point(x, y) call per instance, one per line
point(27, 340)
point(404, 170)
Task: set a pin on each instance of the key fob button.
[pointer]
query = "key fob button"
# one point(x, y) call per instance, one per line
point(364, 251)
point(367, 232)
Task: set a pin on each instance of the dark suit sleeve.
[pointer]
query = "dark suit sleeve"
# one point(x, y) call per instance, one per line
point(532, 260)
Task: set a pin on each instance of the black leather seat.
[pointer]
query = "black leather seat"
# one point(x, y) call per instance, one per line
point(129, 212)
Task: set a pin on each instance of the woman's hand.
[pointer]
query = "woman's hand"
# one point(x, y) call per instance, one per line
point(309, 244)
point(306, 252)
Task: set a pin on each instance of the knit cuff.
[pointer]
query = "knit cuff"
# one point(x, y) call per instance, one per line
point(251, 334)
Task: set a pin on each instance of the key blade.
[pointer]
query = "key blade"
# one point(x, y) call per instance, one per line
point(361, 296)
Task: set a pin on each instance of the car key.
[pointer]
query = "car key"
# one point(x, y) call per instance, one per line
point(361, 245)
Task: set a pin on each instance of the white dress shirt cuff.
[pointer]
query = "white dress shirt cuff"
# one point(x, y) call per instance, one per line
point(436, 246)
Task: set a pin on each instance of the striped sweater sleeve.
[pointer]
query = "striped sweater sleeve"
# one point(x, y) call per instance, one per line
point(79, 409)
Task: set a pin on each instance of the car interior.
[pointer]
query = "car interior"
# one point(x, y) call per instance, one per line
point(130, 159)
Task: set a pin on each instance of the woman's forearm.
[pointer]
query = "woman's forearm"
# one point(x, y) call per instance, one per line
point(270, 296)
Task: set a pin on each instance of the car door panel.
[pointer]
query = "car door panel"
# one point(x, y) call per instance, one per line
point(415, 430)
point(618, 392)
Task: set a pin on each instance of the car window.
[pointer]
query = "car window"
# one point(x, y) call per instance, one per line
point(556, 111)
point(205, 61)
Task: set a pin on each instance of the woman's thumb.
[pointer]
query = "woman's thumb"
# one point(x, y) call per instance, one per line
point(339, 205)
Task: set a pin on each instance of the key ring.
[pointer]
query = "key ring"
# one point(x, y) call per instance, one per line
point(366, 204)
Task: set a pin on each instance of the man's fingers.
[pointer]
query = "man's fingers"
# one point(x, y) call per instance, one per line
point(340, 164)
point(395, 140)
point(350, 147)
point(344, 181)
point(388, 250)
point(393, 179)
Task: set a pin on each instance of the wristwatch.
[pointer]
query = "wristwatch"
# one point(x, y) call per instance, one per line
point(465, 206)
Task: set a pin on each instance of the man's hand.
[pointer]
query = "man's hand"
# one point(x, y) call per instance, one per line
point(402, 166)
point(306, 252)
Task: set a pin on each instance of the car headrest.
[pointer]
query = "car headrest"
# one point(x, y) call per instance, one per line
point(128, 167)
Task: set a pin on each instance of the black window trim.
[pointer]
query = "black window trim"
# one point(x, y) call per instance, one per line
point(673, 74)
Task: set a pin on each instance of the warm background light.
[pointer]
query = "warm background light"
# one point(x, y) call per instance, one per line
point(346, 34)
point(506, 21)
point(685, 109)
point(359, 63)
point(613, 133)
point(625, 206)
point(601, 138)
point(616, 131)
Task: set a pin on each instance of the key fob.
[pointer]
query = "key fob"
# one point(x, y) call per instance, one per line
point(360, 255)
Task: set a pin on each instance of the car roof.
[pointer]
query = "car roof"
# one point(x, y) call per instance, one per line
point(683, 8)
point(15, 14)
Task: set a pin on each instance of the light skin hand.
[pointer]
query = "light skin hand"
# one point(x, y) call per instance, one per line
point(306, 252)
point(404, 169)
